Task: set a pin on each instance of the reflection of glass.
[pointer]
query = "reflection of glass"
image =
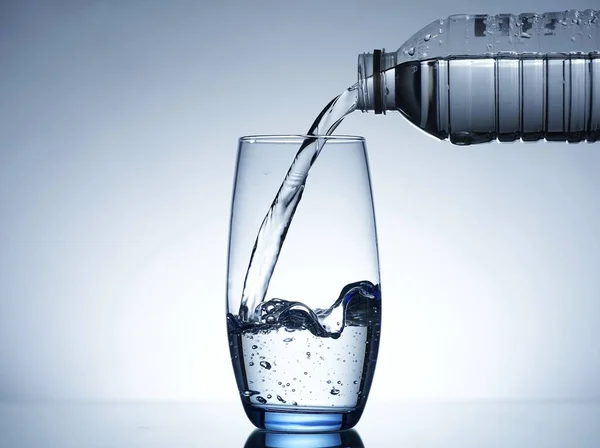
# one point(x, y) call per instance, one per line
point(267, 439)
point(304, 357)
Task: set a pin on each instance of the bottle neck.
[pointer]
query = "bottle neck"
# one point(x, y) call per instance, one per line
point(376, 81)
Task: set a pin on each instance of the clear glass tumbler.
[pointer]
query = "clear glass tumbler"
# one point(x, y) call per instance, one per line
point(304, 350)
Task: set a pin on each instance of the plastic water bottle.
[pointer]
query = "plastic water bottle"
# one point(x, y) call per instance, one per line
point(476, 78)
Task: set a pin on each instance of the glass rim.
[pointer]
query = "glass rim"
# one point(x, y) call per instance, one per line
point(295, 138)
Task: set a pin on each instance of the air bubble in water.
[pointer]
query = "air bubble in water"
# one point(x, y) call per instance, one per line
point(249, 393)
point(265, 365)
point(334, 391)
point(261, 400)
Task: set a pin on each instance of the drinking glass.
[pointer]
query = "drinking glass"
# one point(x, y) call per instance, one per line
point(303, 343)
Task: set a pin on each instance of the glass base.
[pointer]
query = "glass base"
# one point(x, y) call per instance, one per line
point(308, 420)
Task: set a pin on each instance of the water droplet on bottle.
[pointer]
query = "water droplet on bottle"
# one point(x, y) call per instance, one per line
point(441, 31)
point(355, 382)
point(328, 381)
point(250, 363)
point(339, 382)
point(254, 347)
point(269, 396)
point(334, 391)
point(288, 339)
point(308, 355)
point(281, 399)
point(441, 42)
point(294, 403)
point(306, 373)
point(525, 35)
point(261, 400)
point(411, 51)
point(265, 365)
point(287, 384)
point(490, 47)
point(427, 37)
point(573, 39)
point(293, 390)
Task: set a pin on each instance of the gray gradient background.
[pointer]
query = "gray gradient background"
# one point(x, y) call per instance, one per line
point(118, 128)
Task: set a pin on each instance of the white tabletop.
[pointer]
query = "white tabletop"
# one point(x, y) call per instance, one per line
point(401, 424)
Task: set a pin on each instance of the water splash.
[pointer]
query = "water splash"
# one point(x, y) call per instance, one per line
point(358, 304)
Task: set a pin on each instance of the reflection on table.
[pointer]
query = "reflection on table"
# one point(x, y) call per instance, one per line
point(267, 439)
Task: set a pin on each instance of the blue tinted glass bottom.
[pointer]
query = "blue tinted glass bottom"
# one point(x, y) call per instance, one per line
point(278, 421)
point(313, 422)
